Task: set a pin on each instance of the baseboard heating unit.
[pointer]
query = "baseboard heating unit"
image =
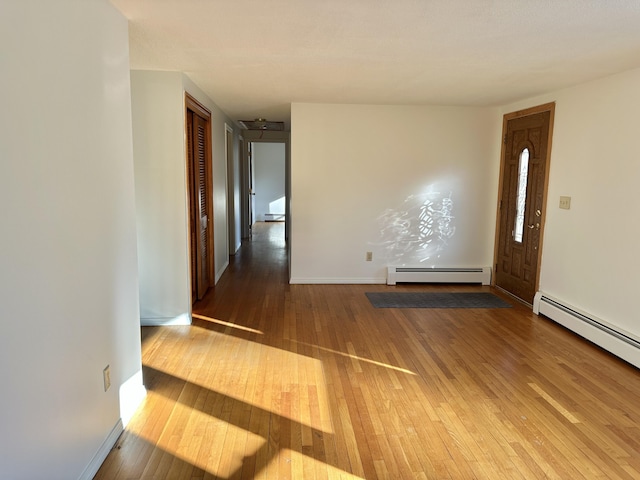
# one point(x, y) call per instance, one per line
point(274, 217)
point(438, 275)
point(620, 343)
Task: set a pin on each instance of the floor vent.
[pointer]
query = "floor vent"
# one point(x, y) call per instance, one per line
point(438, 275)
point(622, 344)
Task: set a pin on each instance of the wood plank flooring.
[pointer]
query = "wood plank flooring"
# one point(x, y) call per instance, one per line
point(278, 381)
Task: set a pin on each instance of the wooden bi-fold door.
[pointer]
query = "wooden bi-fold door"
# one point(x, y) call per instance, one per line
point(198, 136)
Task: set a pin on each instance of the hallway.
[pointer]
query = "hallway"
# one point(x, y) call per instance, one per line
point(263, 256)
point(281, 381)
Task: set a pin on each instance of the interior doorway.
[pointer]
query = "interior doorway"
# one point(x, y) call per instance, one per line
point(522, 202)
point(200, 194)
point(266, 180)
point(233, 193)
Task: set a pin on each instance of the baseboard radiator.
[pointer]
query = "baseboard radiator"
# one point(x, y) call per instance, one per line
point(620, 343)
point(438, 275)
point(274, 217)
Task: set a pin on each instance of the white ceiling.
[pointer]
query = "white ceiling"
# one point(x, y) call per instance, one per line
point(255, 57)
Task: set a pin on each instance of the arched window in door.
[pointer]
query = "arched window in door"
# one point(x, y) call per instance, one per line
point(523, 172)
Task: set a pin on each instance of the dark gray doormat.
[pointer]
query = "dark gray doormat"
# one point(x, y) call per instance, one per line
point(435, 300)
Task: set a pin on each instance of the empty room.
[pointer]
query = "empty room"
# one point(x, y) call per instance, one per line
point(319, 239)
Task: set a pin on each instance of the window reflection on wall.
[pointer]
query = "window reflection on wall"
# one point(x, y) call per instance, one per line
point(420, 230)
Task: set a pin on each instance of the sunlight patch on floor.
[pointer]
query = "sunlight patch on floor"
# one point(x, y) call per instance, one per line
point(226, 324)
point(292, 464)
point(277, 381)
point(357, 358)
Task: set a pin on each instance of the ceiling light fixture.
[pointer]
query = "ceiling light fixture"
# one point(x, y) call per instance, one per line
point(262, 124)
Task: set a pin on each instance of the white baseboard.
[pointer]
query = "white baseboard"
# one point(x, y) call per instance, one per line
point(183, 319)
point(337, 281)
point(420, 274)
point(612, 338)
point(103, 451)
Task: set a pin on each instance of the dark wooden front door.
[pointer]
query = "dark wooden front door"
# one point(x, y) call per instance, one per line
point(527, 138)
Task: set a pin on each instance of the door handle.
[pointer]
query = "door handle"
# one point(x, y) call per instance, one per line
point(537, 226)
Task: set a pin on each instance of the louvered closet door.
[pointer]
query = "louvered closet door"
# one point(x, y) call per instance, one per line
point(201, 179)
point(200, 215)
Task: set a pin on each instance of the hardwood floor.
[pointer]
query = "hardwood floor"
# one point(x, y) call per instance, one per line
point(281, 381)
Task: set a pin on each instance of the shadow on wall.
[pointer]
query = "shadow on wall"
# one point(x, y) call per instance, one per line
point(420, 230)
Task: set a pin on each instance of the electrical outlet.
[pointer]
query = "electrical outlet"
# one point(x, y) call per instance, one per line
point(106, 377)
point(369, 256)
point(565, 203)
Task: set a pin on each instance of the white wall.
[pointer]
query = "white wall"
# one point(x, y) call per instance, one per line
point(68, 275)
point(161, 193)
point(161, 199)
point(590, 256)
point(269, 169)
point(361, 174)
